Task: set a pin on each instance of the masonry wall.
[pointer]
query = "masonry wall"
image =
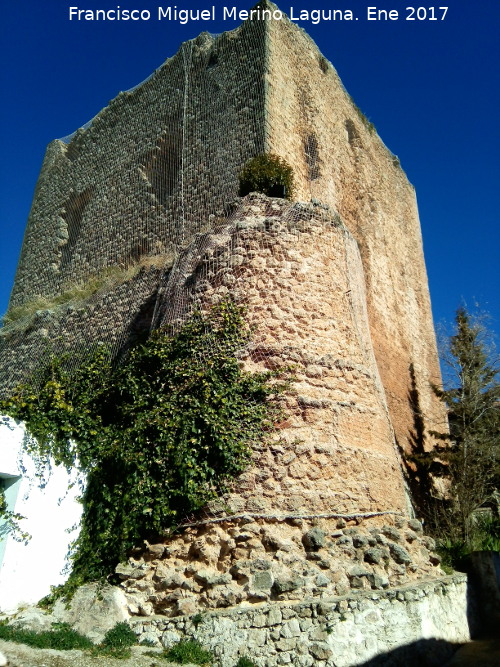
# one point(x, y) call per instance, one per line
point(336, 286)
point(160, 164)
point(424, 622)
point(151, 170)
point(298, 270)
point(340, 160)
point(151, 167)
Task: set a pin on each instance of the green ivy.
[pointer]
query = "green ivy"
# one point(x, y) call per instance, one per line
point(10, 521)
point(158, 435)
point(269, 174)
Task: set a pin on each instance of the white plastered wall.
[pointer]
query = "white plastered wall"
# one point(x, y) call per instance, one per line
point(27, 571)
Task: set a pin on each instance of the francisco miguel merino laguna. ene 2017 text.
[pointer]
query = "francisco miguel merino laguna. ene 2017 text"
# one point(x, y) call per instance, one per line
point(226, 13)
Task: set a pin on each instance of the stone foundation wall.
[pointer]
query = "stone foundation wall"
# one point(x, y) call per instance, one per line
point(420, 622)
point(248, 560)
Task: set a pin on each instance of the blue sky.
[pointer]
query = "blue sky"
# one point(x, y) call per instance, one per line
point(430, 87)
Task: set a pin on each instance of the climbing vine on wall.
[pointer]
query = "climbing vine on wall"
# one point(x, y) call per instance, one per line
point(158, 435)
point(9, 521)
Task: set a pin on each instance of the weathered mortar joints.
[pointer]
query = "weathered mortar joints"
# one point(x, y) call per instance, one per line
point(161, 162)
point(249, 561)
point(279, 535)
point(335, 452)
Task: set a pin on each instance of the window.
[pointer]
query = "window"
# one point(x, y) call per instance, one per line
point(9, 486)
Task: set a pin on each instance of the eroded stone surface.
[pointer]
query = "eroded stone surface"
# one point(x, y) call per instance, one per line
point(335, 450)
point(252, 560)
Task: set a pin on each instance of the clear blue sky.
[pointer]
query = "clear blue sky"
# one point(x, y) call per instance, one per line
point(430, 87)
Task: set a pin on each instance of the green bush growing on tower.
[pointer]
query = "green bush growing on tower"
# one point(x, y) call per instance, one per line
point(269, 174)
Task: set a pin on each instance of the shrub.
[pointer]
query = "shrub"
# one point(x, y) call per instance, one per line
point(269, 174)
point(454, 555)
point(245, 662)
point(186, 652)
point(486, 536)
point(120, 636)
point(117, 642)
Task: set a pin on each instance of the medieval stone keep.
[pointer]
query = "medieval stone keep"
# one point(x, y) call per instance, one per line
point(136, 218)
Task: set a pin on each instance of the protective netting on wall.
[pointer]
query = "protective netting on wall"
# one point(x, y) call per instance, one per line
point(136, 221)
point(116, 204)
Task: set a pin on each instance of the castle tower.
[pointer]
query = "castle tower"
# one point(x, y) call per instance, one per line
point(140, 208)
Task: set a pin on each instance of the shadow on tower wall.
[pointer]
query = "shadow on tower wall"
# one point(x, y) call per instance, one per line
point(421, 653)
point(421, 469)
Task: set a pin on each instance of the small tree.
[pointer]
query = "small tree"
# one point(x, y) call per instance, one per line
point(470, 453)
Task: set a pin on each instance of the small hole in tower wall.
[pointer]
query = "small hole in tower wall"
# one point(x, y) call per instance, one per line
point(323, 64)
point(213, 60)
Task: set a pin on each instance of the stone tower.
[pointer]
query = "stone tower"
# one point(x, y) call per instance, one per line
point(141, 205)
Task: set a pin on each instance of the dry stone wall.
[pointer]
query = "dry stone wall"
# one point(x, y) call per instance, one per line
point(417, 623)
point(247, 560)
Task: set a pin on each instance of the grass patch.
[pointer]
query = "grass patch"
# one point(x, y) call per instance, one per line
point(62, 637)
point(245, 662)
point(197, 619)
point(76, 293)
point(366, 122)
point(455, 552)
point(454, 555)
